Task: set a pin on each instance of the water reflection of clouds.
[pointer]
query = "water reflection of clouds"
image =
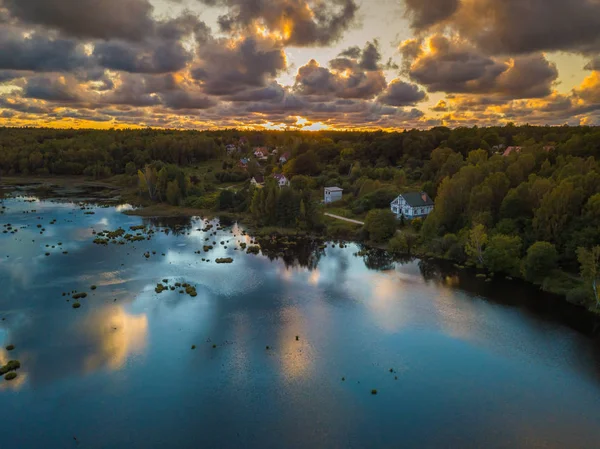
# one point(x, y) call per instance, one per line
point(15, 384)
point(117, 336)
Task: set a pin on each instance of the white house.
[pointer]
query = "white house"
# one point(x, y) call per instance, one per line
point(282, 181)
point(332, 194)
point(412, 205)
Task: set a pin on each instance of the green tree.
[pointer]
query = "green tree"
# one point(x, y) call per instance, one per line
point(589, 260)
point(556, 210)
point(130, 168)
point(173, 193)
point(475, 244)
point(540, 261)
point(503, 253)
point(380, 224)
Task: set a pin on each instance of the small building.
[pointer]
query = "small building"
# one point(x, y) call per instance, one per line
point(282, 181)
point(261, 153)
point(258, 180)
point(231, 149)
point(284, 158)
point(412, 205)
point(332, 194)
point(243, 163)
point(511, 150)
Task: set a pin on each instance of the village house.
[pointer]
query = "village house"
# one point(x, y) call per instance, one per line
point(284, 158)
point(332, 194)
point(282, 181)
point(258, 180)
point(412, 205)
point(511, 150)
point(261, 153)
point(231, 149)
point(243, 163)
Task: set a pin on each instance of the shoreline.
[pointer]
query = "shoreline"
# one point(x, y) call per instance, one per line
point(75, 184)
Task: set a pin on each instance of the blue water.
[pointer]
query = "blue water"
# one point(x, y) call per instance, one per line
point(474, 365)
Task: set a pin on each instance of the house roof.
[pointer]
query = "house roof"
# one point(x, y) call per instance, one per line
point(334, 189)
point(259, 179)
point(509, 150)
point(285, 155)
point(279, 176)
point(417, 199)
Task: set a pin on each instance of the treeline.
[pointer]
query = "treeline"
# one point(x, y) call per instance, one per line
point(327, 155)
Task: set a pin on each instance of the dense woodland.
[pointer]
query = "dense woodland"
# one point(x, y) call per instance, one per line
point(534, 213)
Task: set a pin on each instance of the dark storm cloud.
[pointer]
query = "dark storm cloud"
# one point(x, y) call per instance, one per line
point(352, 52)
point(161, 52)
point(52, 88)
point(10, 75)
point(370, 57)
point(300, 22)
point(38, 52)
point(424, 13)
point(105, 19)
point(228, 69)
point(399, 93)
point(457, 67)
point(273, 92)
point(181, 99)
point(514, 26)
point(594, 64)
point(163, 57)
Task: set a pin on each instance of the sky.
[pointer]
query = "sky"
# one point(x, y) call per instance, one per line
point(299, 64)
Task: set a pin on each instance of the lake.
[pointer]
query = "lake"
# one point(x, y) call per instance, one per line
point(289, 346)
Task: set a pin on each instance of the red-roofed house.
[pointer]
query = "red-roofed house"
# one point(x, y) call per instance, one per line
point(284, 158)
point(261, 153)
point(511, 150)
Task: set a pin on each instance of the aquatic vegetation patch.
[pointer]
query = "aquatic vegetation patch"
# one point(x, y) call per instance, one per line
point(224, 260)
point(12, 365)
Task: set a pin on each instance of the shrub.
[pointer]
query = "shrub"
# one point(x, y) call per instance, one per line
point(380, 224)
point(541, 259)
point(580, 296)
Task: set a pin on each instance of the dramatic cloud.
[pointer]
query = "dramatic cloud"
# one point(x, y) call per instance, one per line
point(58, 89)
point(106, 19)
point(454, 66)
point(424, 13)
point(226, 68)
point(399, 93)
point(37, 52)
point(514, 26)
point(272, 63)
point(294, 22)
point(354, 74)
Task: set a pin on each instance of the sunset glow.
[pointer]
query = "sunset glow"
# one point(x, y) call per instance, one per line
point(345, 64)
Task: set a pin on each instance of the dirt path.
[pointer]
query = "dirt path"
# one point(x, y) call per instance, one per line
point(349, 220)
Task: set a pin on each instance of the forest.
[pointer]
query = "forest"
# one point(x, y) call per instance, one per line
point(533, 212)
